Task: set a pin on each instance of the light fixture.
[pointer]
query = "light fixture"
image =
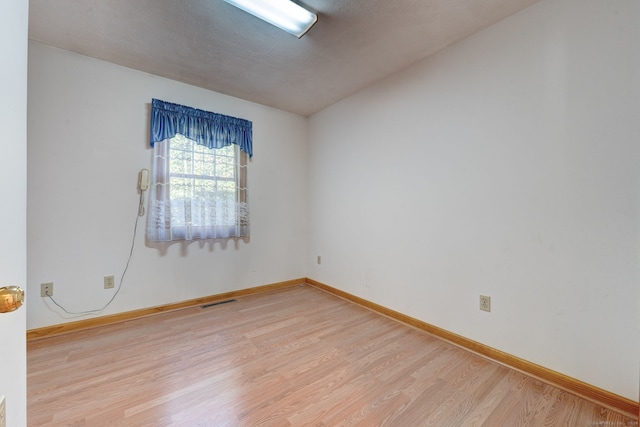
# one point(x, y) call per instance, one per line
point(284, 14)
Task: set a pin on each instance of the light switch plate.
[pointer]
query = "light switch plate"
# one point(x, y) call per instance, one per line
point(3, 413)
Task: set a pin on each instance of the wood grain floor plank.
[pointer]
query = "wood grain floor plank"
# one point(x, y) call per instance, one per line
point(288, 357)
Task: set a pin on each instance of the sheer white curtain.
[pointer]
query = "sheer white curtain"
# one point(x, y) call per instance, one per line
point(199, 174)
point(197, 192)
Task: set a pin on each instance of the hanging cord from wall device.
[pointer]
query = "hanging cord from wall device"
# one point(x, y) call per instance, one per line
point(143, 184)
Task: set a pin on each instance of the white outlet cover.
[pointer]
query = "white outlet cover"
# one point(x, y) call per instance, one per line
point(485, 303)
point(109, 282)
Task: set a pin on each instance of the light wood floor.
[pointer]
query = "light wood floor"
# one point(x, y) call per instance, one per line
point(292, 357)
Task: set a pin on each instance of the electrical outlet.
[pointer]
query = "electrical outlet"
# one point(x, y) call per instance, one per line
point(3, 413)
point(485, 303)
point(319, 260)
point(46, 289)
point(109, 282)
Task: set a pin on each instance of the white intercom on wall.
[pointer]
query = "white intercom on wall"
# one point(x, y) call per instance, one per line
point(143, 179)
point(143, 185)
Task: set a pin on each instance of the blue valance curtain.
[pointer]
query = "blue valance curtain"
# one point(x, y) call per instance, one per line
point(205, 128)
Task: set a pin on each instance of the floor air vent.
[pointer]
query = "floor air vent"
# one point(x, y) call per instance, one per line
point(218, 303)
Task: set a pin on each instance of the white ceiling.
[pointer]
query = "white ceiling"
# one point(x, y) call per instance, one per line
point(211, 44)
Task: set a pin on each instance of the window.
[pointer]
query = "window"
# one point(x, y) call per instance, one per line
point(197, 191)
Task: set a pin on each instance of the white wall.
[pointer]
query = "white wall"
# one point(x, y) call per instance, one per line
point(88, 138)
point(506, 165)
point(13, 191)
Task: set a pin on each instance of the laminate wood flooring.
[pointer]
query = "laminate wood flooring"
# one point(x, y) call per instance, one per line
point(292, 357)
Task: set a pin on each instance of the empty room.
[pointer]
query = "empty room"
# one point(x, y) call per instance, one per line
point(402, 213)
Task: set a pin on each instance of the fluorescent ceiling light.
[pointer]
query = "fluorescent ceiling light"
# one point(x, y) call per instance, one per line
point(284, 14)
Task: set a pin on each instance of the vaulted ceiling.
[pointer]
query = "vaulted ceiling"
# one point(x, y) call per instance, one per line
point(211, 44)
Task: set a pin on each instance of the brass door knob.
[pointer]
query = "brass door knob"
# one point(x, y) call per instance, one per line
point(11, 298)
